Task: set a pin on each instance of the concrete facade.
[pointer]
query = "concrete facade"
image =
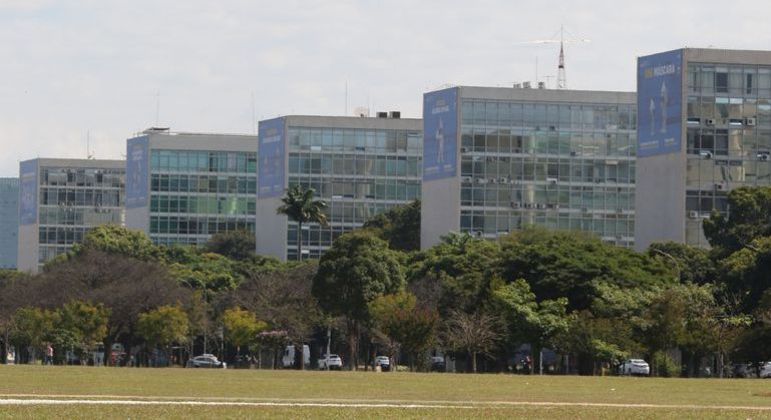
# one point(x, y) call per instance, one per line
point(561, 159)
point(725, 143)
point(185, 187)
point(360, 166)
point(61, 200)
point(9, 222)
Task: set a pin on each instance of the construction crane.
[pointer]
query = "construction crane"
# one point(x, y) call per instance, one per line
point(562, 82)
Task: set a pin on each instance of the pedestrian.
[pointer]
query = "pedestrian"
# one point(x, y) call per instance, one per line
point(49, 359)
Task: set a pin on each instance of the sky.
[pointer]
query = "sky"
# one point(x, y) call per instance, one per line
point(80, 72)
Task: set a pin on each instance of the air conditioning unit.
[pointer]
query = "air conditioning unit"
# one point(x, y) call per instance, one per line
point(528, 205)
point(464, 150)
point(540, 206)
point(481, 180)
point(750, 121)
point(503, 180)
point(710, 121)
point(693, 214)
point(515, 204)
point(720, 186)
point(763, 156)
point(552, 181)
point(705, 154)
point(466, 179)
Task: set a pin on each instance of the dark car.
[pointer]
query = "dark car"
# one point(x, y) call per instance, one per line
point(205, 361)
point(438, 364)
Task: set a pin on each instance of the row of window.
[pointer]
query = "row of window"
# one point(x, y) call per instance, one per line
point(708, 79)
point(735, 142)
point(564, 143)
point(516, 114)
point(725, 110)
point(49, 252)
point(182, 225)
point(721, 174)
point(401, 166)
point(491, 222)
point(315, 235)
point(361, 189)
point(100, 178)
point(504, 170)
point(197, 161)
point(227, 206)
point(204, 184)
point(89, 216)
point(82, 197)
point(371, 141)
point(62, 235)
point(537, 196)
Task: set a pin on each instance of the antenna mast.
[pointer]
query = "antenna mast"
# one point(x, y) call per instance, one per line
point(562, 82)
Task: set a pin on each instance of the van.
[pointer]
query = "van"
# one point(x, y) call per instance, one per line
point(287, 360)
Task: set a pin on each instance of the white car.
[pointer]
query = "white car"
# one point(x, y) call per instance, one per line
point(384, 362)
point(634, 367)
point(765, 370)
point(333, 361)
point(205, 361)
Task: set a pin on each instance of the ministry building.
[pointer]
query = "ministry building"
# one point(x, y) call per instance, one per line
point(497, 160)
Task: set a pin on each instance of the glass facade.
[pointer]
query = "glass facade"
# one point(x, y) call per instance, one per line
point(74, 200)
point(568, 166)
point(9, 222)
point(728, 137)
point(195, 194)
point(359, 172)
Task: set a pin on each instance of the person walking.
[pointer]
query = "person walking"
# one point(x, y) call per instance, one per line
point(49, 360)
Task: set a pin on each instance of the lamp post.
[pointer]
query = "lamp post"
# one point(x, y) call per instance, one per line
point(673, 259)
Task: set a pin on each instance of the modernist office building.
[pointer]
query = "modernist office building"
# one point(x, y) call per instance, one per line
point(60, 200)
point(500, 159)
point(181, 188)
point(9, 222)
point(361, 166)
point(704, 128)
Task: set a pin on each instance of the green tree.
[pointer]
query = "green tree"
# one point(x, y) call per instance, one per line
point(235, 244)
point(573, 264)
point(399, 226)
point(163, 326)
point(86, 323)
point(537, 323)
point(750, 218)
point(692, 264)
point(241, 327)
point(744, 273)
point(299, 206)
point(114, 239)
point(358, 268)
point(31, 327)
point(405, 324)
point(461, 266)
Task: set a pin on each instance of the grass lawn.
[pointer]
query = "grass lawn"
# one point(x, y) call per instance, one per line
point(469, 395)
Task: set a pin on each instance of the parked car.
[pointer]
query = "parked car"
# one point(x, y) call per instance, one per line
point(205, 361)
point(333, 361)
point(384, 362)
point(637, 367)
point(765, 370)
point(288, 359)
point(438, 364)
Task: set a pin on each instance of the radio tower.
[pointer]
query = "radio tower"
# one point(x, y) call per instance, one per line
point(562, 82)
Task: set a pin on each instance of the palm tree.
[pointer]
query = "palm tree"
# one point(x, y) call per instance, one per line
point(300, 206)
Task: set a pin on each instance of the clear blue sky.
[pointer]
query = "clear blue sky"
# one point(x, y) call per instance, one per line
point(73, 69)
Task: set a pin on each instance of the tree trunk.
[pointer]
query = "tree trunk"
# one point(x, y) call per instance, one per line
point(474, 362)
point(299, 241)
point(107, 343)
point(352, 348)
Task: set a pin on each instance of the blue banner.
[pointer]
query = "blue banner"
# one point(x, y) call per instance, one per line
point(28, 196)
point(440, 132)
point(659, 103)
point(137, 172)
point(271, 157)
